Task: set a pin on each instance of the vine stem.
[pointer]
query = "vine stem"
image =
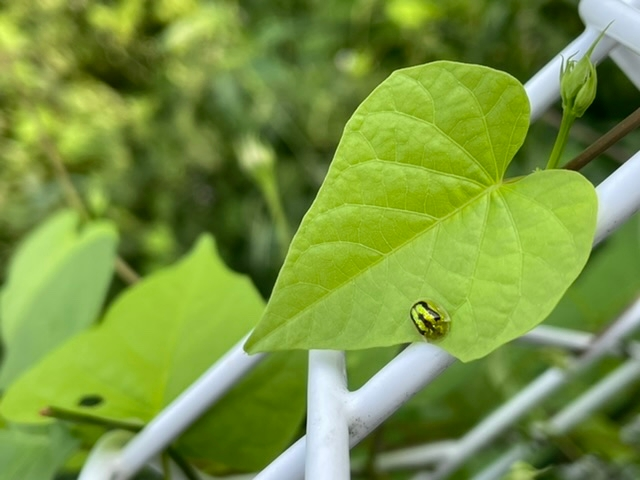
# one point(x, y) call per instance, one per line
point(618, 132)
point(561, 140)
point(89, 419)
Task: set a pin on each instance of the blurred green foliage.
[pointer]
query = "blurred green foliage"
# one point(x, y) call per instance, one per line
point(144, 103)
point(147, 105)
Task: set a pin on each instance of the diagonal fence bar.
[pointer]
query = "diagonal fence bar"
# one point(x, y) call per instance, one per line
point(531, 396)
point(414, 458)
point(569, 417)
point(618, 198)
point(558, 337)
point(433, 453)
point(588, 403)
point(183, 411)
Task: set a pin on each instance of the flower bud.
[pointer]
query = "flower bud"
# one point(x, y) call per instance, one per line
point(255, 157)
point(578, 84)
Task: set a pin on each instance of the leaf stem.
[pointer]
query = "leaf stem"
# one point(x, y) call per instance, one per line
point(112, 424)
point(258, 160)
point(185, 466)
point(561, 140)
point(166, 466)
point(89, 419)
point(274, 204)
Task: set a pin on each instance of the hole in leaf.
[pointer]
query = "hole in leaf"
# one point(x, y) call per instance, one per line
point(90, 401)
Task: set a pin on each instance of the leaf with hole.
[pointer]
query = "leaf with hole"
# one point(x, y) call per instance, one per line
point(156, 339)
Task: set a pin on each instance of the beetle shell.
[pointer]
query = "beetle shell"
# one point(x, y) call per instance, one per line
point(431, 321)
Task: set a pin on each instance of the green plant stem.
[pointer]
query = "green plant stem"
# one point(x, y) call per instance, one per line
point(166, 466)
point(185, 466)
point(111, 424)
point(561, 140)
point(271, 194)
point(89, 419)
point(375, 445)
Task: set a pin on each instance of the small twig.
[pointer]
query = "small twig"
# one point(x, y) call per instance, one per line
point(605, 141)
point(72, 195)
point(126, 273)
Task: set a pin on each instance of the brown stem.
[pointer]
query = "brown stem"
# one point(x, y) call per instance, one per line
point(605, 141)
point(126, 273)
point(73, 198)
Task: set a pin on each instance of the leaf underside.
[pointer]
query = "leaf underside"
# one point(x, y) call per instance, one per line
point(414, 207)
point(158, 338)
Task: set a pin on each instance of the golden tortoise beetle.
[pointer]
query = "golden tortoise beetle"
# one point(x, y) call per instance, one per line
point(432, 322)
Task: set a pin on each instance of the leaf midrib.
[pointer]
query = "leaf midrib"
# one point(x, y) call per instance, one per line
point(485, 192)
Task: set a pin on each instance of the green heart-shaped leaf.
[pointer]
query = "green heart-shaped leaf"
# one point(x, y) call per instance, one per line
point(414, 207)
point(155, 340)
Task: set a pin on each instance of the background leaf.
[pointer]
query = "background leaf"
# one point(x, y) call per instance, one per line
point(34, 456)
point(414, 207)
point(56, 286)
point(156, 339)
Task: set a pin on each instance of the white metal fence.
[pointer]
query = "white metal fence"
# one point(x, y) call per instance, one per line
point(338, 419)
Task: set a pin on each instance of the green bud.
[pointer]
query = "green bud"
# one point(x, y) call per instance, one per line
point(255, 157)
point(578, 84)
